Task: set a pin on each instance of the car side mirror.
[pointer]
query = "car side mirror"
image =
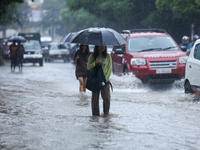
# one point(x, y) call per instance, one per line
point(119, 51)
point(183, 48)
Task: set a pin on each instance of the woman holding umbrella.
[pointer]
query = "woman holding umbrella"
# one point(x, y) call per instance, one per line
point(80, 59)
point(100, 56)
point(20, 55)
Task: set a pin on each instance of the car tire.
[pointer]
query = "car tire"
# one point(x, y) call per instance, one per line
point(144, 81)
point(65, 60)
point(188, 88)
point(126, 72)
point(41, 62)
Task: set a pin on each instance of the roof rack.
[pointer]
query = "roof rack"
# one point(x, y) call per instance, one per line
point(144, 30)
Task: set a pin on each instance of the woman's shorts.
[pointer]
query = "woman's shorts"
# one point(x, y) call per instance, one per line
point(84, 76)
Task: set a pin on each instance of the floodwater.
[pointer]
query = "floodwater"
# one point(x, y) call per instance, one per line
point(41, 109)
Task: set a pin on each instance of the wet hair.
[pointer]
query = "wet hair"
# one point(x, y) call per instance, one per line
point(96, 52)
point(87, 49)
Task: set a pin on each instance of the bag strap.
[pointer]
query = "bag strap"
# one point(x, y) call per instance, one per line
point(110, 84)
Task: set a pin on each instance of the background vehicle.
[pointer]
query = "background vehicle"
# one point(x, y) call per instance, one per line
point(192, 70)
point(57, 52)
point(151, 55)
point(33, 52)
point(44, 44)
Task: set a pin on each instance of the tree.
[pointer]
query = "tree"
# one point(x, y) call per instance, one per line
point(186, 11)
point(122, 14)
point(8, 12)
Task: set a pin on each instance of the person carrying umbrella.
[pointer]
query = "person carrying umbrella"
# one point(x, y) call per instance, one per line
point(13, 55)
point(20, 55)
point(80, 59)
point(100, 56)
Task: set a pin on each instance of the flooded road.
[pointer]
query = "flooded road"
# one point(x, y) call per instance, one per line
point(40, 109)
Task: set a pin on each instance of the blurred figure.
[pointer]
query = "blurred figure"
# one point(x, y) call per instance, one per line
point(20, 55)
point(81, 59)
point(6, 52)
point(196, 37)
point(185, 44)
point(13, 55)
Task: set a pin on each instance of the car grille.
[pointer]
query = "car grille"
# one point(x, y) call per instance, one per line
point(162, 64)
point(29, 53)
point(163, 76)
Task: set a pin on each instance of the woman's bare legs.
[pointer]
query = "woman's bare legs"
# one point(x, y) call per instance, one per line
point(84, 84)
point(81, 83)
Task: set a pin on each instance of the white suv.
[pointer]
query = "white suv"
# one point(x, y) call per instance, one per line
point(192, 70)
point(33, 52)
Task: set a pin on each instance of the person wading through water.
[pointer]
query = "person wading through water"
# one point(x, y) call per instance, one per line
point(13, 55)
point(80, 59)
point(20, 55)
point(100, 56)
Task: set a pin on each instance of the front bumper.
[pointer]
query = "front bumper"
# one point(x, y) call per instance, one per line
point(145, 73)
point(32, 58)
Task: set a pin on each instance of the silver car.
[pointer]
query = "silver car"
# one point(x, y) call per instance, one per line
point(57, 52)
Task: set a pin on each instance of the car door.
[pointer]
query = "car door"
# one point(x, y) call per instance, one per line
point(193, 67)
point(117, 57)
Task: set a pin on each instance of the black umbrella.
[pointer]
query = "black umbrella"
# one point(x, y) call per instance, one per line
point(17, 39)
point(67, 38)
point(99, 37)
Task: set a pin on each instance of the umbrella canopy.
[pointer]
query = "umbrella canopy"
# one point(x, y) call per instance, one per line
point(99, 37)
point(17, 39)
point(67, 38)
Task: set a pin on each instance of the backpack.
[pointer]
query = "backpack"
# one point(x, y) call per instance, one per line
point(95, 79)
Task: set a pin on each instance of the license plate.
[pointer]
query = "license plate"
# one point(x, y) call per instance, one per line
point(159, 71)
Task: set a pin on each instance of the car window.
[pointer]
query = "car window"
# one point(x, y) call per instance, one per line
point(32, 45)
point(197, 52)
point(137, 44)
point(54, 47)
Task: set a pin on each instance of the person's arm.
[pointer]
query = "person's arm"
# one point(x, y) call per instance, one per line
point(91, 62)
point(76, 57)
point(75, 60)
point(108, 68)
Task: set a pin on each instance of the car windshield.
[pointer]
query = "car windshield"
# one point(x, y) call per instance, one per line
point(56, 46)
point(151, 43)
point(32, 45)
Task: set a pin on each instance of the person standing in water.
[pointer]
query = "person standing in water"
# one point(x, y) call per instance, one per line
point(100, 56)
point(13, 55)
point(20, 55)
point(81, 59)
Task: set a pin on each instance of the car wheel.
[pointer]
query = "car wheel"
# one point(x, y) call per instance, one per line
point(41, 62)
point(188, 88)
point(126, 72)
point(65, 60)
point(144, 81)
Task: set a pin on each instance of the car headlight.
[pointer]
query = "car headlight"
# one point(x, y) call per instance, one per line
point(138, 61)
point(183, 60)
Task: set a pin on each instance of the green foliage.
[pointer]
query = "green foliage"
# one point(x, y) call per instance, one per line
point(182, 8)
point(8, 12)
